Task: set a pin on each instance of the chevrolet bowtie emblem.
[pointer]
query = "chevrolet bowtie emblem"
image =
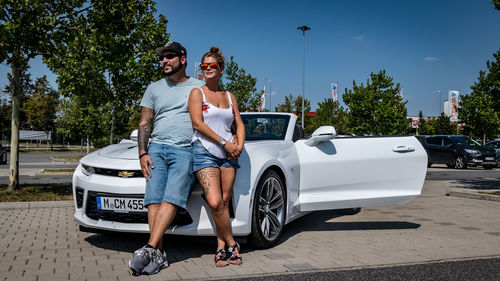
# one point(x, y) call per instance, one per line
point(125, 174)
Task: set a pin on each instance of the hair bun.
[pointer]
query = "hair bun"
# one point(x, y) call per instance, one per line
point(214, 50)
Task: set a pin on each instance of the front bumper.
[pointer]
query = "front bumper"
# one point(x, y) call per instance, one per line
point(197, 221)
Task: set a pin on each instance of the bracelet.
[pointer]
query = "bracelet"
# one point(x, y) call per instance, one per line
point(144, 154)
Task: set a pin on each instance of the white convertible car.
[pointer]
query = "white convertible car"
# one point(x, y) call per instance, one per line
point(282, 177)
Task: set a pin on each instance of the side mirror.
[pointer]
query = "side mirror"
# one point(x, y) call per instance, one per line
point(323, 133)
point(133, 135)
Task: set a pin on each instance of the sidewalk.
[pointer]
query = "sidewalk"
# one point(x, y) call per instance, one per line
point(44, 243)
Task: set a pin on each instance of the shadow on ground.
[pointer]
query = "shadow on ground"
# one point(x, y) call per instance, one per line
point(181, 248)
point(320, 221)
point(478, 184)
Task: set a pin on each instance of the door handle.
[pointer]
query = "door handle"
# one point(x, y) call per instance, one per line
point(403, 148)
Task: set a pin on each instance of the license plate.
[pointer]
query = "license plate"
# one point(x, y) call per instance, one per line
point(489, 158)
point(120, 205)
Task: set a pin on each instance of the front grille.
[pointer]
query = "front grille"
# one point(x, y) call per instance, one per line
point(79, 197)
point(116, 173)
point(131, 217)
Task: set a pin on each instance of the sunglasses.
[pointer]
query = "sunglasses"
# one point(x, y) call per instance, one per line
point(168, 56)
point(212, 65)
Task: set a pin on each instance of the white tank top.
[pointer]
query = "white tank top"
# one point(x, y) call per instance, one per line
point(220, 121)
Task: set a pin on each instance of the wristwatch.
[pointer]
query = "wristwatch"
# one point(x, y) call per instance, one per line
point(222, 142)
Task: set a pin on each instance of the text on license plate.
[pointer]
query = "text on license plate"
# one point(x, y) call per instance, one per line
point(119, 204)
point(489, 158)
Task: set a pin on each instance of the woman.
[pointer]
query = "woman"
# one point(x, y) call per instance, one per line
point(216, 151)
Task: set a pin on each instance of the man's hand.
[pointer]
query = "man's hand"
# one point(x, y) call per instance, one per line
point(145, 163)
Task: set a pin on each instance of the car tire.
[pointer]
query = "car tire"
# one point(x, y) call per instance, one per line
point(488, 167)
point(460, 162)
point(269, 209)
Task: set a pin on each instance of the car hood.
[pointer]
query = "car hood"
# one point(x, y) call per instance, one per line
point(120, 151)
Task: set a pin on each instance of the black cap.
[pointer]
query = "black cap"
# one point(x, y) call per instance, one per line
point(172, 46)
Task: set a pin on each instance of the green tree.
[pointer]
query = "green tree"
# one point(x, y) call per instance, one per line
point(81, 119)
point(481, 109)
point(287, 106)
point(376, 109)
point(42, 106)
point(442, 125)
point(111, 60)
point(242, 85)
point(477, 111)
point(330, 112)
point(294, 105)
point(29, 29)
point(496, 3)
point(425, 127)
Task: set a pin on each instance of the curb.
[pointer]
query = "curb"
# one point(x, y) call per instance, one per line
point(474, 195)
point(36, 204)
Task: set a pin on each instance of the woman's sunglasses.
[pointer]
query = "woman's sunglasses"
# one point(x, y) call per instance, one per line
point(168, 56)
point(212, 65)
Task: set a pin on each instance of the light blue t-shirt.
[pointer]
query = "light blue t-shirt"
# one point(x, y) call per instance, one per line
point(172, 124)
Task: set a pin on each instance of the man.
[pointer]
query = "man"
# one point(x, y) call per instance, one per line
point(166, 162)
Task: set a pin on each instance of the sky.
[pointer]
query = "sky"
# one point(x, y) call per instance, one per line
point(426, 46)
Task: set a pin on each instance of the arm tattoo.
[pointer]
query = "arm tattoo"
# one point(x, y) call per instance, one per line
point(205, 177)
point(143, 134)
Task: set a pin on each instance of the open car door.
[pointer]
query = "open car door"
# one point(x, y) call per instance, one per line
point(352, 172)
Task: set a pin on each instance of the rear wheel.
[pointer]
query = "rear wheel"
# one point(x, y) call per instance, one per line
point(269, 207)
point(488, 167)
point(460, 162)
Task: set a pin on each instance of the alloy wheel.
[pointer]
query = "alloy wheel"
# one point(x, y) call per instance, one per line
point(271, 208)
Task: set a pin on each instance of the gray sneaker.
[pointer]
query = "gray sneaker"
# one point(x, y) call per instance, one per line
point(158, 262)
point(141, 258)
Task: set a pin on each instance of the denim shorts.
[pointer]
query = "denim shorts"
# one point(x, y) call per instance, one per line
point(172, 177)
point(204, 159)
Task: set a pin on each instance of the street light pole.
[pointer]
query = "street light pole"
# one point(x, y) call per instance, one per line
point(439, 108)
point(304, 28)
point(270, 94)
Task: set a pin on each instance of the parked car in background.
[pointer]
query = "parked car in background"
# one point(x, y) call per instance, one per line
point(455, 151)
point(496, 144)
point(488, 155)
point(3, 155)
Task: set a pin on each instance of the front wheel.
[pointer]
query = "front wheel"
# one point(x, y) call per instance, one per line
point(269, 207)
point(460, 162)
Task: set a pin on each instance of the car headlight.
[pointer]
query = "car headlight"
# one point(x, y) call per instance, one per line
point(87, 170)
point(472, 151)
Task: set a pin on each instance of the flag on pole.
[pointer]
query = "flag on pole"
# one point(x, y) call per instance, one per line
point(262, 101)
point(334, 87)
point(453, 98)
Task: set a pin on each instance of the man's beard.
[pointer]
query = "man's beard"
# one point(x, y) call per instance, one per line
point(174, 70)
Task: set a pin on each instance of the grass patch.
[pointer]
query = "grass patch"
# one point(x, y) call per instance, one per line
point(491, 193)
point(28, 193)
point(57, 170)
point(68, 157)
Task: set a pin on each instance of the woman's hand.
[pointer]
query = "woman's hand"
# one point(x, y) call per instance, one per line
point(232, 150)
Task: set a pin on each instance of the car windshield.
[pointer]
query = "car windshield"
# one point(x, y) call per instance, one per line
point(465, 142)
point(265, 126)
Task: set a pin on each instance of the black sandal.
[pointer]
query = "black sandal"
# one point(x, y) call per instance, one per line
point(221, 258)
point(234, 258)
